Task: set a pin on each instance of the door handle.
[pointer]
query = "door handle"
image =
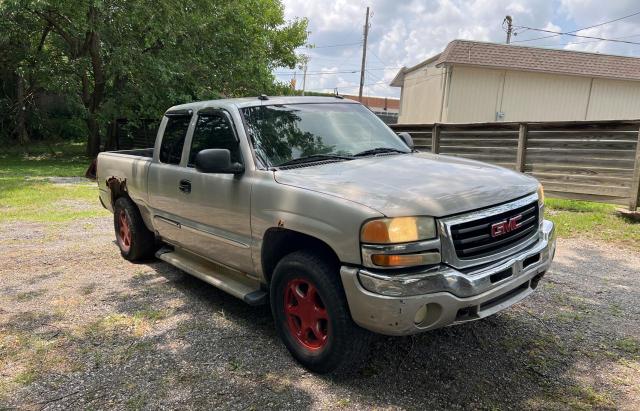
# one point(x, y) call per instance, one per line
point(185, 186)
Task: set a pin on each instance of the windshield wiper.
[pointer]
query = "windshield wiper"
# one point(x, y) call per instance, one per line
point(379, 150)
point(313, 158)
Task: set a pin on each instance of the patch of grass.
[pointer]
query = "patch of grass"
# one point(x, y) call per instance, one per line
point(136, 325)
point(628, 345)
point(151, 314)
point(115, 325)
point(43, 201)
point(26, 377)
point(64, 159)
point(587, 395)
point(29, 295)
point(27, 195)
point(234, 364)
point(584, 219)
point(30, 356)
point(136, 402)
point(577, 206)
point(88, 289)
point(616, 310)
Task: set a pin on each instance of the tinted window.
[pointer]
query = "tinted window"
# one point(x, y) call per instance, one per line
point(214, 131)
point(173, 139)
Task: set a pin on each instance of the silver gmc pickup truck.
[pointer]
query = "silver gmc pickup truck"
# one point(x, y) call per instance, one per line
point(314, 205)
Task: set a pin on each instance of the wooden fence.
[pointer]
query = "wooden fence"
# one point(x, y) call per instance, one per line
point(585, 160)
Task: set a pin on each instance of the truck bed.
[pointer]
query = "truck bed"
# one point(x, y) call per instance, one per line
point(130, 166)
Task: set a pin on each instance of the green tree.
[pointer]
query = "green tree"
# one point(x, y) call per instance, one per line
point(22, 66)
point(134, 59)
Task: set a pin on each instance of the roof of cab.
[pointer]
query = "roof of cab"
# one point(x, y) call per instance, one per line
point(256, 101)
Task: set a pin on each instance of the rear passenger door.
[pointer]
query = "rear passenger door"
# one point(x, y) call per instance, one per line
point(215, 212)
point(165, 175)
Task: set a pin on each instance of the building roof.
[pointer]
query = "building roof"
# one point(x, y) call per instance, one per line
point(508, 56)
point(399, 78)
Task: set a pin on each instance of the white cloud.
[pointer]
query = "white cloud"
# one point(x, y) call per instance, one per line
point(406, 32)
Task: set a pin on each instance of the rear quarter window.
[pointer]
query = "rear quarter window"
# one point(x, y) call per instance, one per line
point(173, 139)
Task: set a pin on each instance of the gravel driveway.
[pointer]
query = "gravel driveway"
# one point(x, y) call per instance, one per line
point(82, 328)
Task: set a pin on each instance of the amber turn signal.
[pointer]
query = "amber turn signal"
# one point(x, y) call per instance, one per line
point(405, 260)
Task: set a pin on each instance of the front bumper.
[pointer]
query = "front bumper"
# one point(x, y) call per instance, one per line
point(413, 302)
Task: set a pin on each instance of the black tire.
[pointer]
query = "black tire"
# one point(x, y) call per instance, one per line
point(141, 244)
point(346, 344)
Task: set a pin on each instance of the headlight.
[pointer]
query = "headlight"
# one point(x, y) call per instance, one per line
point(540, 194)
point(398, 230)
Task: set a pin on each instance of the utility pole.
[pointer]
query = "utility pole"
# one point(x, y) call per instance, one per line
point(364, 54)
point(509, 22)
point(304, 78)
point(304, 59)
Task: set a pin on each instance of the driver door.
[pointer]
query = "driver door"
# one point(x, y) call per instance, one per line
point(216, 207)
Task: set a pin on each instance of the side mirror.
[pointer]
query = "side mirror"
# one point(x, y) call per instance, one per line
point(406, 137)
point(217, 160)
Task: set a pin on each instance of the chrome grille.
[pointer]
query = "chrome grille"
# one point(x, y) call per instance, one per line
point(473, 239)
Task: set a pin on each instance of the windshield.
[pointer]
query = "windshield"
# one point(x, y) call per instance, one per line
point(282, 133)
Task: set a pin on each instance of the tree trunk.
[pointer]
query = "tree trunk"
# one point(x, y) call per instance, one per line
point(111, 143)
point(21, 115)
point(93, 143)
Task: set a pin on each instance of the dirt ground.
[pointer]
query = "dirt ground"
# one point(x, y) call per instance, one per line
point(81, 328)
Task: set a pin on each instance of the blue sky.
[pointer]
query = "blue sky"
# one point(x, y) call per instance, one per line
point(405, 32)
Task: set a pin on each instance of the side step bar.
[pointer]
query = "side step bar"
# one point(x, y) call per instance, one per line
point(224, 278)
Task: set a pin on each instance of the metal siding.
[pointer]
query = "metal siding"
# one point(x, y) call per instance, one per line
point(473, 94)
point(614, 99)
point(476, 94)
point(544, 97)
point(421, 96)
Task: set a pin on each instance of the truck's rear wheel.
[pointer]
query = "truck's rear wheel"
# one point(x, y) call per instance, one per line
point(135, 241)
point(312, 317)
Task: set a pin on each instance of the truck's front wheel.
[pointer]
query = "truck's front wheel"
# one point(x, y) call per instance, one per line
point(311, 314)
point(135, 241)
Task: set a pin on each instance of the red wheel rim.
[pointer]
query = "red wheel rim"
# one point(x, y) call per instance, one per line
point(124, 231)
point(307, 318)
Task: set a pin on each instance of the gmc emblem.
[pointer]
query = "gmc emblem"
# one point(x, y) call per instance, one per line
point(505, 226)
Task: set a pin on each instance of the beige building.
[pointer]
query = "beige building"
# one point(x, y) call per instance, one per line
point(479, 82)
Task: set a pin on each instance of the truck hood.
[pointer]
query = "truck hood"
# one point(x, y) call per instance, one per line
point(413, 184)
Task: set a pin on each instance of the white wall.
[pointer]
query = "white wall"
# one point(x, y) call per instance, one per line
point(614, 99)
point(544, 97)
point(421, 96)
point(473, 94)
point(476, 94)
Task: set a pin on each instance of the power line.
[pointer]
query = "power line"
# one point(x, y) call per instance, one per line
point(317, 73)
point(349, 87)
point(579, 36)
point(311, 46)
point(577, 30)
point(585, 42)
point(376, 56)
point(354, 70)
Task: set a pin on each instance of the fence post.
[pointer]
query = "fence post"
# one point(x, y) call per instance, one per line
point(635, 183)
point(521, 158)
point(435, 138)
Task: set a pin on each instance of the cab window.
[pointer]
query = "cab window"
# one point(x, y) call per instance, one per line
point(173, 139)
point(214, 131)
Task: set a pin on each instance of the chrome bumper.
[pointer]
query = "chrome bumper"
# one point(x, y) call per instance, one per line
point(413, 302)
